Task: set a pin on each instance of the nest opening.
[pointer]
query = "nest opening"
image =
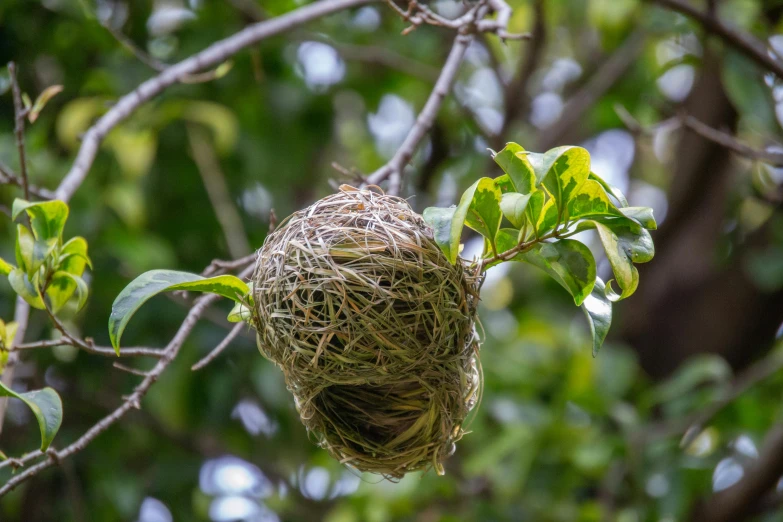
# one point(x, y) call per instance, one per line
point(373, 329)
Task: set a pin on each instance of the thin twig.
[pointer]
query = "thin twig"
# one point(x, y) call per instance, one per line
point(744, 42)
point(722, 138)
point(516, 98)
point(750, 377)
point(217, 190)
point(8, 177)
point(427, 115)
point(219, 266)
point(130, 370)
point(133, 401)
point(607, 75)
point(211, 56)
point(211, 356)
point(89, 347)
point(19, 114)
point(154, 63)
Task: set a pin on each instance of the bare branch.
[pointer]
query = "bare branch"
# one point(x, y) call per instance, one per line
point(130, 403)
point(215, 183)
point(517, 101)
point(209, 57)
point(219, 348)
point(607, 74)
point(218, 266)
point(427, 115)
point(154, 63)
point(19, 114)
point(745, 43)
point(722, 138)
point(89, 347)
point(133, 401)
point(750, 377)
point(8, 177)
point(130, 370)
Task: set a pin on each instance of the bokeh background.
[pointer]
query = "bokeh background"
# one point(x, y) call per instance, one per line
point(193, 176)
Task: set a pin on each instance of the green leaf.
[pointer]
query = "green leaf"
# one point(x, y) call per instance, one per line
point(151, 283)
point(47, 217)
point(567, 168)
point(62, 287)
point(46, 407)
point(239, 313)
point(31, 253)
point(447, 223)
point(503, 182)
point(535, 208)
point(644, 215)
point(569, 262)
point(446, 229)
point(484, 214)
point(8, 335)
point(598, 310)
point(25, 288)
point(624, 246)
point(514, 205)
point(547, 219)
point(610, 189)
point(5, 267)
point(591, 200)
point(513, 159)
point(43, 98)
point(73, 256)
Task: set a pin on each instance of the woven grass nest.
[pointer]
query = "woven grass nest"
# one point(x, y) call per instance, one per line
point(373, 329)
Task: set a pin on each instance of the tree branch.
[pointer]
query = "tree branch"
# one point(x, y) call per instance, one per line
point(601, 81)
point(219, 348)
point(19, 115)
point(745, 43)
point(211, 56)
point(722, 138)
point(217, 190)
point(426, 117)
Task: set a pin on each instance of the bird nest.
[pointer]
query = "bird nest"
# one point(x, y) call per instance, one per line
point(373, 329)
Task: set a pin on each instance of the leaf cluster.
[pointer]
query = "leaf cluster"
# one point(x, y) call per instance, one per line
point(529, 213)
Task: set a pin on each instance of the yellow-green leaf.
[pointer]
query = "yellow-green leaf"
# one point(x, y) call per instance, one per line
point(5, 267)
point(643, 215)
point(514, 205)
point(567, 168)
point(151, 283)
point(26, 289)
point(625, 245)
point(73, 256)
point(484, 214)
point(43, 98)
point(31, 253)
point(569, 262)
point(447, 223)
point(47, 217)
point(62, 287)
point(591, 201)
point(46, 407)
point(598, 310)
point(513, 159)
point(613, 191)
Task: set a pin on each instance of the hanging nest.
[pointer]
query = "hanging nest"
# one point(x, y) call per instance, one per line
point(373, 329)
